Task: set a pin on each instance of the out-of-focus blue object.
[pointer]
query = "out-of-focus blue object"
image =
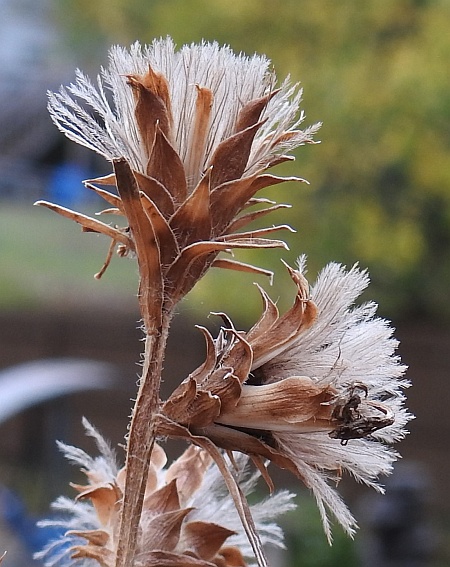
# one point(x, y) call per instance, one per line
point(31, 383)
point(14, 513)
point(65, 186)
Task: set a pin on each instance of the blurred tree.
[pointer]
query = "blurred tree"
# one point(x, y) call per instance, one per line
point(376, 74)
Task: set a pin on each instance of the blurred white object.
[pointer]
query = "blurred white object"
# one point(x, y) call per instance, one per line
point(35, 382)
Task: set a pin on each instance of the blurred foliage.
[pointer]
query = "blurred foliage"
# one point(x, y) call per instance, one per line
point(376, 74)
point(306, 543)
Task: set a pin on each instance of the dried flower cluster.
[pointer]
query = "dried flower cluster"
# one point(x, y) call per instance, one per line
point(317, 390)
point(187, 519)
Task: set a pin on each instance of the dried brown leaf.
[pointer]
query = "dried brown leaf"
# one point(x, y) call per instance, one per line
point(209, 364)
point(204, 539)
point(259, 201)
point(146, 245)
point(254, 215)
point(230, 158)
point(109, 179)
point(277, 160)
point(256, 233)
point(165, 166)
point(105, 557)
point(163, 500)
point(239, 499)
point(293, 404)
point(249, 241)
point(225, 385)
point(228, 264)
point(109, 197)
point(89, 224)
point(188, 471)
point(107, 261)
point(239, 357)
point(268, 318)
point(228, 199)
point(192, 221)
point(104, 498)
point(199, 133)
point(110, 211)
point(163, 531)
point(158, 84)
point(287, 328)
point(167, 559)
point(94, 537)
point(261, 466)
point(157, 193)
point(202, 437)
point(232, 557)
point(232, 439)
point(179, 402)
point(190, 405)
point(150, 111)
point(184, 273)
point(250, 113)
point(167, 242)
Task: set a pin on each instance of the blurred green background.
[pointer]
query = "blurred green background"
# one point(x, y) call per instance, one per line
point(376, 73)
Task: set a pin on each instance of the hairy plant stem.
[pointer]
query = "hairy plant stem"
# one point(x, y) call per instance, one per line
point(140, 442)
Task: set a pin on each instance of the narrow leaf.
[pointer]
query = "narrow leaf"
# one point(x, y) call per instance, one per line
point(165, 166)
point(151, 283)
point(250, 113)
point(112, 199)
point(228, 264)
point(89, 224)
point(168, 245)
point(199, 133)
point(109, 179)
point(230, 198)
point(182, 274)
point(157, 193)
point(150, 112)
point(269, 316)
point(254, 215)
point(192, 221)
point(210, 359)
point(254, 234)
point(231, 156)
point(287, 328)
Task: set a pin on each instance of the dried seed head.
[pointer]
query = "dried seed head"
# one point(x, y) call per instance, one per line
point(317, 391)
point(190, 134)
point(188, 517)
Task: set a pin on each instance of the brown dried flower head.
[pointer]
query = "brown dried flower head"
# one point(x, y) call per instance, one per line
point(188, 518)
point(317, 391)
point(191, 135)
